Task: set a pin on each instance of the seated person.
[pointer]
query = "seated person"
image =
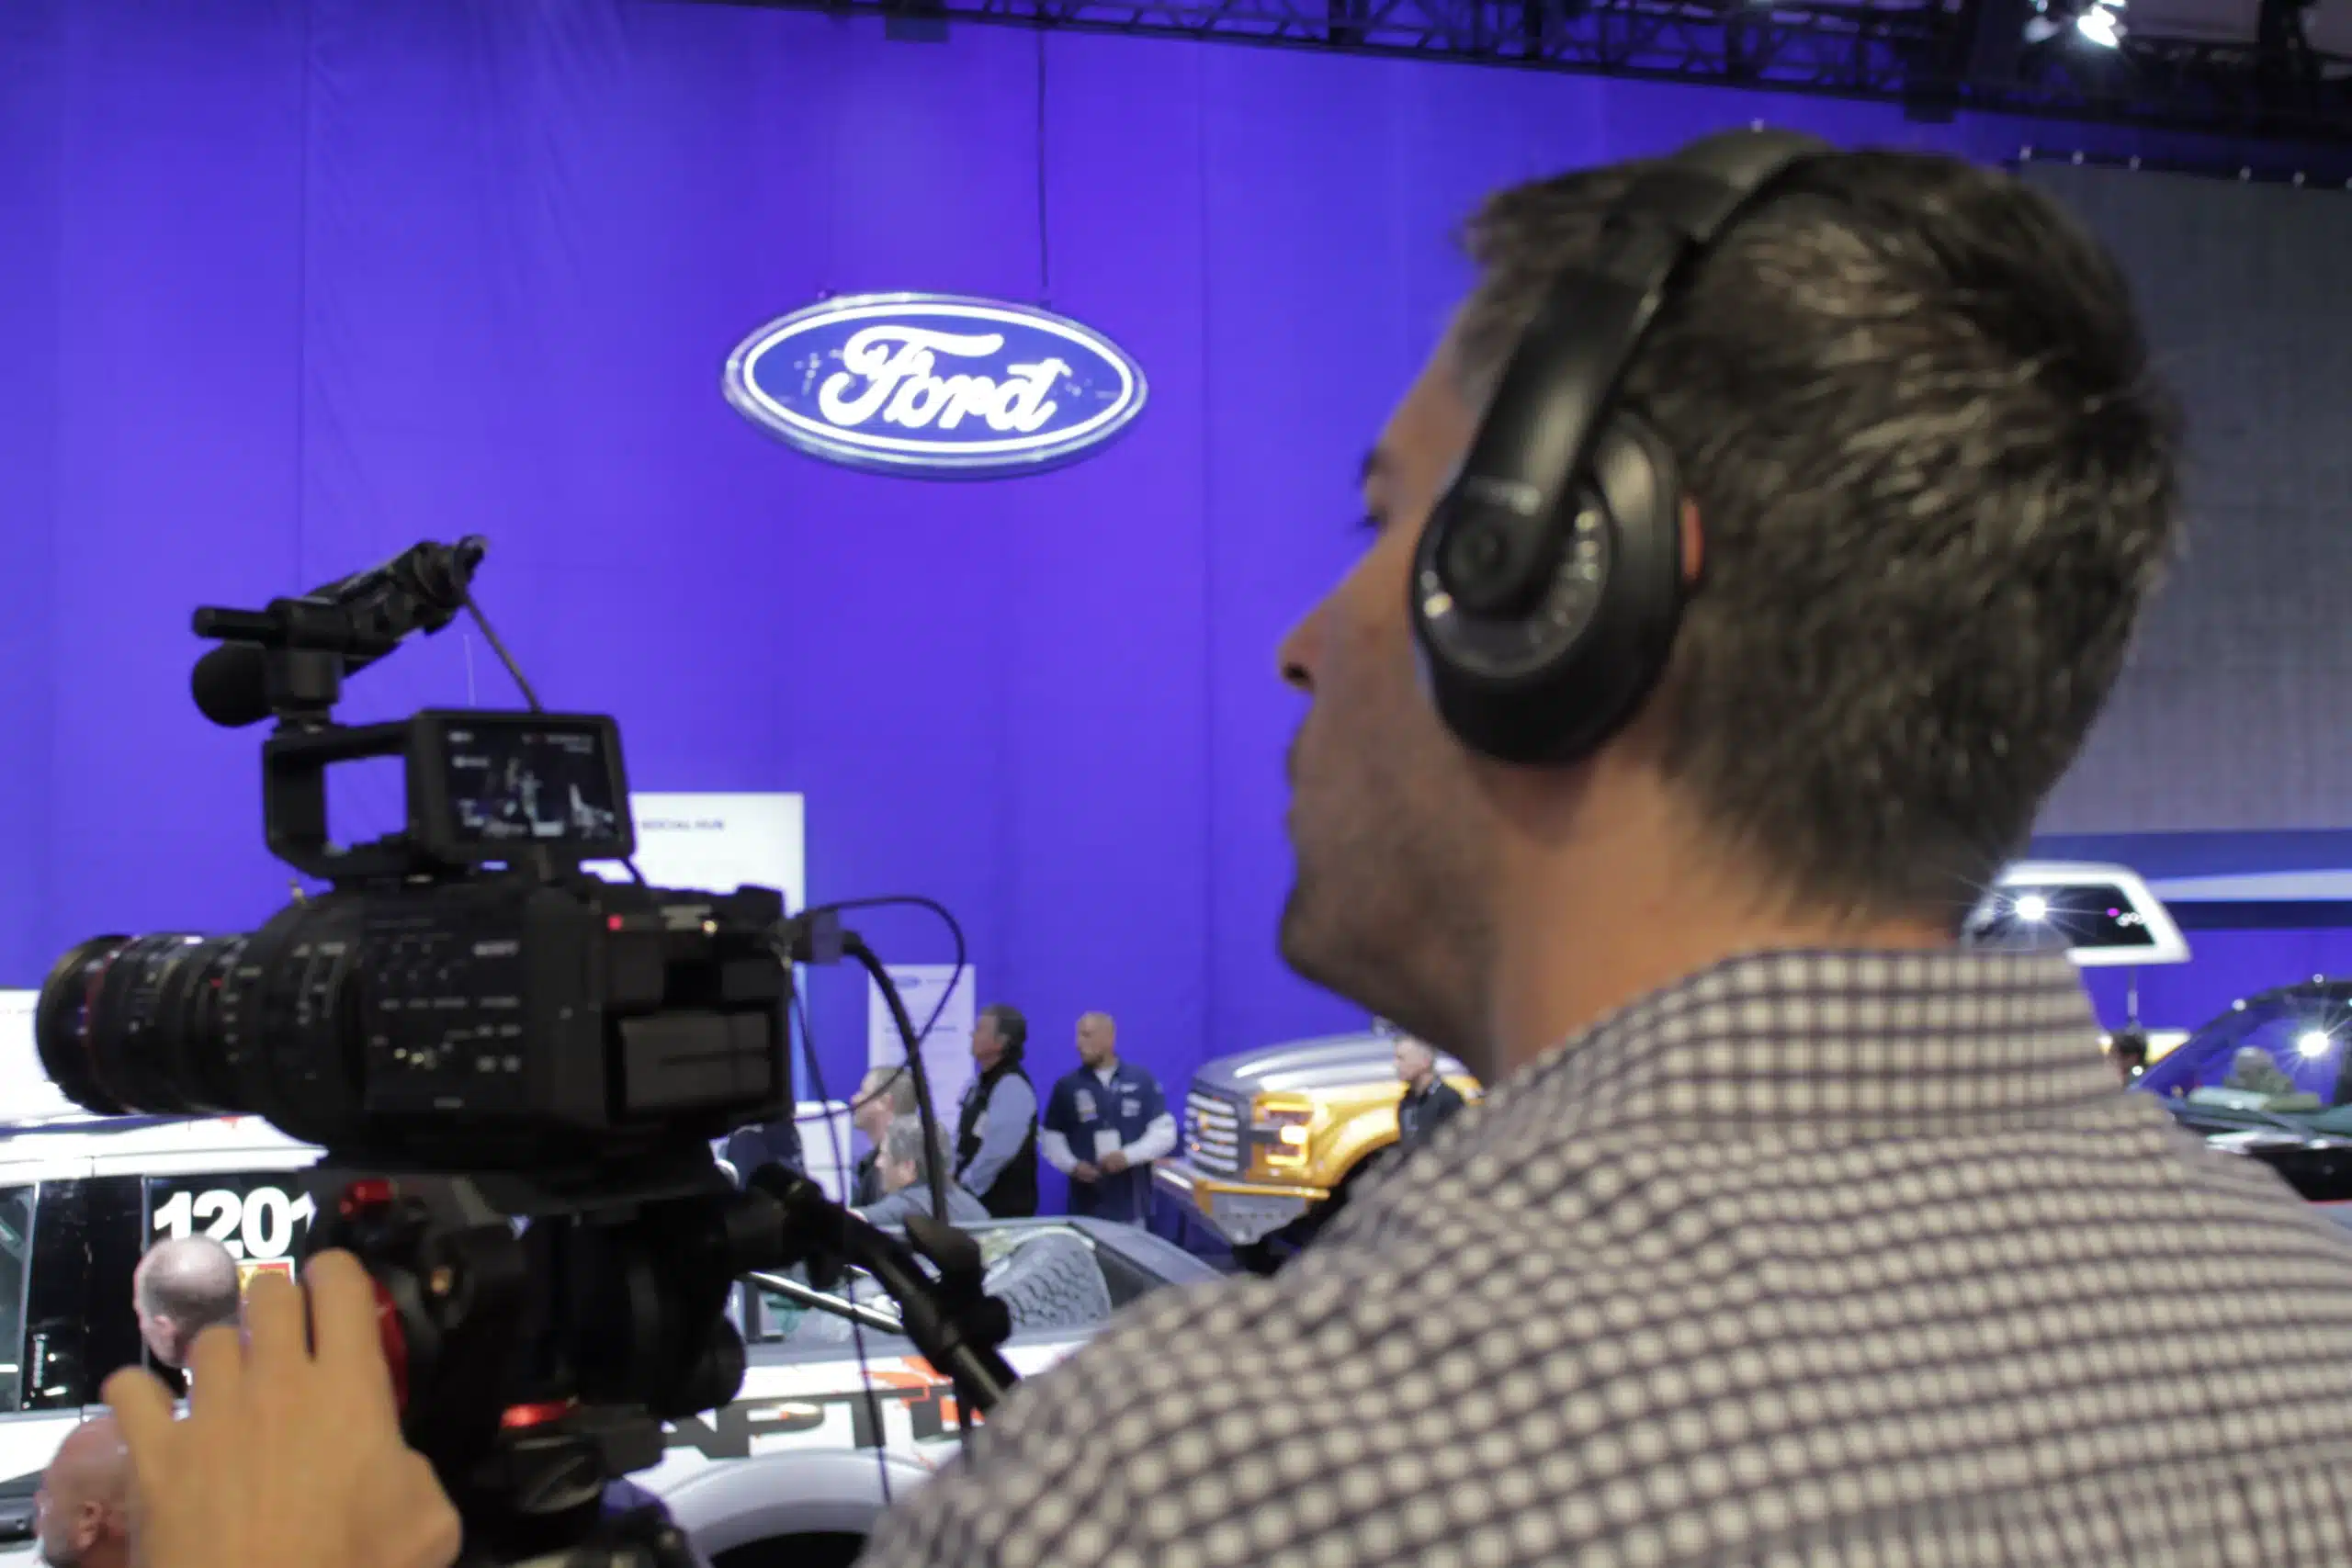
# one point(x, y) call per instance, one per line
point(2253, 1071)
point(899, 1161)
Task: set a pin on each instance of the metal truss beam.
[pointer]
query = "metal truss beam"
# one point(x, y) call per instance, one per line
point(1921, 56)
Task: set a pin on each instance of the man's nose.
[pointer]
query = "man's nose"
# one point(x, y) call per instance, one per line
point(1295, 653)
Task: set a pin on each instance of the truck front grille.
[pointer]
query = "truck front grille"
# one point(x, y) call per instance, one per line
point(1214, 1130)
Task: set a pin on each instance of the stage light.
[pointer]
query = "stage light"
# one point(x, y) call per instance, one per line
point(2102, 24)
point(2033, 909)
point(2097, 22)
point(2314, 1042)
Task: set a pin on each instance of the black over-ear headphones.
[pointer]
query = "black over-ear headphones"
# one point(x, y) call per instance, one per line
point(1549, 581)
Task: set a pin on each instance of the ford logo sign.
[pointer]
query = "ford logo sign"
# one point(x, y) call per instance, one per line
point(935, 384)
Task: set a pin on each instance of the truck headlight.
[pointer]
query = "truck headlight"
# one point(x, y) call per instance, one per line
point(1283, 1125)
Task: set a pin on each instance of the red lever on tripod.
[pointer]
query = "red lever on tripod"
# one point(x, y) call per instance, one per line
point(357, 1199)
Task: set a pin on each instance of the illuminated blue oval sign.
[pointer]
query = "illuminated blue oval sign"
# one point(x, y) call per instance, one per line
point(935, 384)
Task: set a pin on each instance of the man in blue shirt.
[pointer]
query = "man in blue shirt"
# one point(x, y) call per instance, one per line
point(996, 1133)
point(1104, 1125)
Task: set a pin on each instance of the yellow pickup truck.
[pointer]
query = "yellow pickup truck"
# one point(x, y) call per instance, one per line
point(1271, 1137)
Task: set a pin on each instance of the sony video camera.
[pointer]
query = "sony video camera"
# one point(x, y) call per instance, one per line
point(516, 1067)
point(466, 998)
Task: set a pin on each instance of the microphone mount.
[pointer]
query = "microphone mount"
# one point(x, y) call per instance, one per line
point(291, 657)
point(305, 648)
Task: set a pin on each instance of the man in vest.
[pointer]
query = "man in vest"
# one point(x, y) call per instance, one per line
point(996, 1137)
point(1104, 1125)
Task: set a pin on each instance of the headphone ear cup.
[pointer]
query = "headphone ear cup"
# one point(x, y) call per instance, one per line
point(1550, 685)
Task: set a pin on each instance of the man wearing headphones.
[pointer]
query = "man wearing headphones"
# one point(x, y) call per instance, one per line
point(1747, 563)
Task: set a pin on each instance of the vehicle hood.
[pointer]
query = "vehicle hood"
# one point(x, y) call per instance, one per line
point(1329, 1062)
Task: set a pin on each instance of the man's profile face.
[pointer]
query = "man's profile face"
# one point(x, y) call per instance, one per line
point(871, 1113)
point(1392, 838)
point(79, 1502)
point(987, 1045)
point(1096, 1044)
point(1413, 1059)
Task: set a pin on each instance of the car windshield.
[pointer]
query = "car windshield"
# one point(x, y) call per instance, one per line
point(2282, 1058)
point(1054, 1279)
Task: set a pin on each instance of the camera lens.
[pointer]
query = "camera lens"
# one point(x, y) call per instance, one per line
point(130, 1024)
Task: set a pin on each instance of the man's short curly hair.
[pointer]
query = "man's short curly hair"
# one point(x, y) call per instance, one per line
point(1936, 480)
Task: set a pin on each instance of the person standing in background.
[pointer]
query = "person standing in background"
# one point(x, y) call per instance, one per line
point(996, 1135)
point(886, 1094)
point(1104, 1125)
point(2129, 1050)
point(183, 1286)
point(1429, 1099)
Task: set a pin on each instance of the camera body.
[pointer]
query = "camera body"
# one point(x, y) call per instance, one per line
point(467, 998)
point(488, 1023)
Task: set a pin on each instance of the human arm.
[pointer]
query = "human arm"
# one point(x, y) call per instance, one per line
point(1055, 1127)
point(1158, 1139)
point(1012, 1112)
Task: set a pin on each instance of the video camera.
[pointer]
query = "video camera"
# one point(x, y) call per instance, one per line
point(516, 1067)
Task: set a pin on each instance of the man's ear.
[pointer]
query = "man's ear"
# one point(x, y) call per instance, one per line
point(1694, 544)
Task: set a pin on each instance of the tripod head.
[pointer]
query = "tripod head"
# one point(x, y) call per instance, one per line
point(540, 1334)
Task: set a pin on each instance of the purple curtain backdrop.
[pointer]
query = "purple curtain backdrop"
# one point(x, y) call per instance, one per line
point(287, 285)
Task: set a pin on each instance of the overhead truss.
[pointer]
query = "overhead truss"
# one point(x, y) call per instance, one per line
point(1934, 60)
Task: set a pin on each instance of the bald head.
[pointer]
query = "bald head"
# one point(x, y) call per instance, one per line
point(83, 1513)
point(1098, 1039)
point(183, 1287)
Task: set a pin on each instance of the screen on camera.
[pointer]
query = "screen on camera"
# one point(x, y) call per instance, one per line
point(546, 781)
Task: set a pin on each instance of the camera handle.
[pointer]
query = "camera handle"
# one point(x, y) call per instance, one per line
point(534, 1369)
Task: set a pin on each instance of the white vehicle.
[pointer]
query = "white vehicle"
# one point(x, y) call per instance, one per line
point(797, 1468)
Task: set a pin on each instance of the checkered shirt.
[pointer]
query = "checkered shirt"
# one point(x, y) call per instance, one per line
point(1813, 1258)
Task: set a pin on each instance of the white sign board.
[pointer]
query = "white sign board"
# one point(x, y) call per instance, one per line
point(721, 842)
point(947, 1049)
point(25, 1090)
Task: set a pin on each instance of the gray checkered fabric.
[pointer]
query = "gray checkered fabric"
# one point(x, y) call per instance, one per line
point(1815, 1258)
